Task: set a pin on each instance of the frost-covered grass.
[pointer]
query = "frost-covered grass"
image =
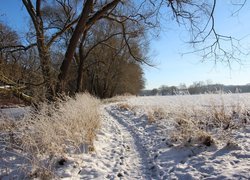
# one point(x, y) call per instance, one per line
point(197, 118)
point(51, 132)
point(117, 98)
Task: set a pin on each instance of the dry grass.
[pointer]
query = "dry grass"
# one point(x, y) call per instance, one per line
point(125, 107)
point(150, 117)
point(54, 130)
point(154, 114)
point(128, 107)
point(197, 124)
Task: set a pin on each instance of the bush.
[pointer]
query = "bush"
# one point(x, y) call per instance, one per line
point(57, 128)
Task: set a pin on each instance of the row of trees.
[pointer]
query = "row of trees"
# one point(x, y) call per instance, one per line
point(196, 88)
point(108, 68)
point(105, 60)
point(95, 45)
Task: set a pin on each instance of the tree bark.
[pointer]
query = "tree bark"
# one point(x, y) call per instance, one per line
point(80, 77)
point(45, 61)
point(81, 64)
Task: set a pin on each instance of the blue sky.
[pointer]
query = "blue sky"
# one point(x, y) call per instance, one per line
point(172, 68)
point(14, 14)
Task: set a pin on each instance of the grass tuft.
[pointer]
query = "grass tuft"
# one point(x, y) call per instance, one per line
point(52, 130)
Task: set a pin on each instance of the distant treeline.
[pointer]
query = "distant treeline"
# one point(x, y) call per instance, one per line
point(196, 88)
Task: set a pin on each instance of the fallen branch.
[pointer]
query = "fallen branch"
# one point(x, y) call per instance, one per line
point(11, 87)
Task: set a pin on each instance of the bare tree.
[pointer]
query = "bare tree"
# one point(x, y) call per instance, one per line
point(87, 18)
point(44, 44)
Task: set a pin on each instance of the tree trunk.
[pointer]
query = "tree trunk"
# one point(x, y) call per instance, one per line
point(80, 28)
point(43, 50)
point(81, 64)
point(45, 62)
point(47, 74)
point(80, 77)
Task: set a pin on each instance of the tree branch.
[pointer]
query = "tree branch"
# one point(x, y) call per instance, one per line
point(101, 12)
point(59, 33)
point(31, 10)
point(18, 47)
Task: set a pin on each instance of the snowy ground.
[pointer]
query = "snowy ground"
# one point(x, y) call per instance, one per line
point(13, 113)
point(129, 147)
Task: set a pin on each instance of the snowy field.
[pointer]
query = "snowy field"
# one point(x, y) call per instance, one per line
point(174, 151)
point(170, 137)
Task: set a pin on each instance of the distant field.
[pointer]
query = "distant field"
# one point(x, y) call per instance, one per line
point(194, 100)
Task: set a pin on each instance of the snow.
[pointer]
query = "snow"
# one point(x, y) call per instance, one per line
point(5, 87)
point(13, 113)
point(129, 147)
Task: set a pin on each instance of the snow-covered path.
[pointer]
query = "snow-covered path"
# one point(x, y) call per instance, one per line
point(117, 154)
point(137, 154)
point(123, 149)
